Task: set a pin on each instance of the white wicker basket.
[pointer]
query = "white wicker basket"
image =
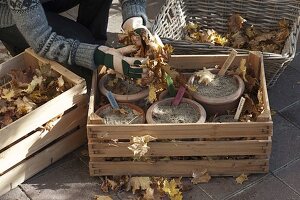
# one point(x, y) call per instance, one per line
point(263, 14)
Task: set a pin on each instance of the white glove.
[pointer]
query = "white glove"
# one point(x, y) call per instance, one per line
point(115, 59)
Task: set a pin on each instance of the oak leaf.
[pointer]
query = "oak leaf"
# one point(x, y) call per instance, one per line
point(241, 179)
point(139, 183)
point(140, 145)
point(200, 176)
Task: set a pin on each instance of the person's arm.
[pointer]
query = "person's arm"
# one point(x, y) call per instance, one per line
point(134, 8)
point(31, 21)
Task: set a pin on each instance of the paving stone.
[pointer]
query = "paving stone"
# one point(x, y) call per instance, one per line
point(285, 143)
point(15, 194)
point(220, 187)
point(68, 181)
point(296, 62)
point(83, 154)
point(269, 189)
point(291, 175)
point(292, 113)
point(286, 90)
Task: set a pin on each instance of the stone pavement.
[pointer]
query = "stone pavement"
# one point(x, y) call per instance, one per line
point(69, 178)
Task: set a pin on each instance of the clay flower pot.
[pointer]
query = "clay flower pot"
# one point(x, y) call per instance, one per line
point(188, 111)
point(219, 105)
point(132, 115)
point(130, 98)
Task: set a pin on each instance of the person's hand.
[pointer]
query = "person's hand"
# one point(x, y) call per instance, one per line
point(115, 59)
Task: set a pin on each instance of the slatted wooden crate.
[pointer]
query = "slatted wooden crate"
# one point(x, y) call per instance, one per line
point(24, 149)
point(181, 149)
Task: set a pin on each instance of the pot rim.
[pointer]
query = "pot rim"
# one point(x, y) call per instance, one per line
point(122, 98)
point(219, 100)
point(133, 106)
point(195, 104)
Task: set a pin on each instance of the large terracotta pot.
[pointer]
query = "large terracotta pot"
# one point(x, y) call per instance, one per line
point(130, 98)
point(196, 107)
point(219, 105)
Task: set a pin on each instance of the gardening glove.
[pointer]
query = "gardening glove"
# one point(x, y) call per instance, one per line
point(136, 24)
point(115, 59)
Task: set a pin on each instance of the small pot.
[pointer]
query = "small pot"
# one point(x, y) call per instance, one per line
point(140, 119)
point(130, 98)
point(219, 105)
point(196, 107)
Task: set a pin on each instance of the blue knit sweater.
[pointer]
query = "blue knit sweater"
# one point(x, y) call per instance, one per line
point(29, 17)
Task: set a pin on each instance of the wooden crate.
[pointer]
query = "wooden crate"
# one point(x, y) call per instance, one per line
point(187, 147)
point(24, 149)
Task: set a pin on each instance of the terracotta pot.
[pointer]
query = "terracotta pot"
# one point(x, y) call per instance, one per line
point(197, 107)
point(139, 120)
point(130, 98)
point(219, 105)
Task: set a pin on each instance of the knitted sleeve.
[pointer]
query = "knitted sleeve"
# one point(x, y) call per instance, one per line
point(134, 8)
point(30, 19)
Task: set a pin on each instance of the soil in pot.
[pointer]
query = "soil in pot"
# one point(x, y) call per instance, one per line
point(220, 95)
point(127, 114)
point(124, 90)
point(188, 111)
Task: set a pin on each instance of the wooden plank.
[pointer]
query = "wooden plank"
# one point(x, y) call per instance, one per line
point(74, 78)
point(32, 166)
point(40, 139)
point(12, 63)
point(41, 115)
point(197, 62)
point(179, 168)
point(177, 131)
point(94, 90)
point(193, 148)
point(266, 115)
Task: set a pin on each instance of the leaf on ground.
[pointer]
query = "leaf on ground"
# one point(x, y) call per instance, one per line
point(149, 194)
point(172, 189)
point(108, 185)
point(101, 197)
point(140, 145)
point(60, 82)
point(200, 176)
point(241, 179)
point(138, 183)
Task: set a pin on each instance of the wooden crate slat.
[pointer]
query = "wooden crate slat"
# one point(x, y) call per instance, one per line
point(39, 139)
point(179, 168)
point(34, 119)
point(30, 167)
point(195, 148)
point(207, 130)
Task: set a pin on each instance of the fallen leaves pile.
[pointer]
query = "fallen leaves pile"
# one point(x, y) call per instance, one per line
point(155, 188)
point(241, 35)
point(23, 90)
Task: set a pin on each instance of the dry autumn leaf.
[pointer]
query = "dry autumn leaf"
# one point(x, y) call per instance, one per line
point(152, 93)
point(235, 23)
point(101, 197)
point(172, 189)
point(149, 194)
point(200, 176)
point(205, 76)
point(138, 183)
point(241, 179)
point(8, 94)
point(140, 145)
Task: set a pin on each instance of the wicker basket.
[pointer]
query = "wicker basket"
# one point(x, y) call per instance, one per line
point(263, 14)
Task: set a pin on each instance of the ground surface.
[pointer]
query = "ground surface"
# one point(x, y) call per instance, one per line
point(69, 177)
